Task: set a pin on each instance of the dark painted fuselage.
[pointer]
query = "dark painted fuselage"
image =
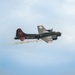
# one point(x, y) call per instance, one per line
point(21, 35)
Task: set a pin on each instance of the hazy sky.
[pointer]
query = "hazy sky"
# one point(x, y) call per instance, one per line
point(56, 58)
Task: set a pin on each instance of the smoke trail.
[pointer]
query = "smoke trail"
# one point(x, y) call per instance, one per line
point(27, 41)
point(19, 42)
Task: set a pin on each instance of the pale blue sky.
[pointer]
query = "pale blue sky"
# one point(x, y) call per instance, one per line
point(56, 58)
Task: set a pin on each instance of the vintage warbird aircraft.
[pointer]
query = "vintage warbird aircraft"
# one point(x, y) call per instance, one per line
point(46, 35)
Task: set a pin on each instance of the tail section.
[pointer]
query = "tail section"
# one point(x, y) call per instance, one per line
point(20, 34)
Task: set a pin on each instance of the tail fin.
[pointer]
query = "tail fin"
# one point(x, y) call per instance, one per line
point(20, 34)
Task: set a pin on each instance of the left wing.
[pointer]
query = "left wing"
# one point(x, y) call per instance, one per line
point(42, 29)
point(47, 39)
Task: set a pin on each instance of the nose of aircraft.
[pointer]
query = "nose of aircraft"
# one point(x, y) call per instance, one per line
point(59, 33)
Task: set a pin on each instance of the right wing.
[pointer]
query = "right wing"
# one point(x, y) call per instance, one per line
point(47, 39)
point(41, 29)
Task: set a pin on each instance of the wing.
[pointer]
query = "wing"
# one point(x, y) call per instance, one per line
point(47, 39)
point(41, 29)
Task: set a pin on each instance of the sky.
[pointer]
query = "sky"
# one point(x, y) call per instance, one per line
point(37, 58)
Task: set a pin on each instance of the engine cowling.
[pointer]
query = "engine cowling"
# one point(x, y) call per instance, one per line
point(58, 34)
point(55, 38)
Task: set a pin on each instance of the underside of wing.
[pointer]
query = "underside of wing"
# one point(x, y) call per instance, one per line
point(47, 39)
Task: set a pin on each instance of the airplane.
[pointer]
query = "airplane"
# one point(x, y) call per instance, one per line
point(43, 33)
